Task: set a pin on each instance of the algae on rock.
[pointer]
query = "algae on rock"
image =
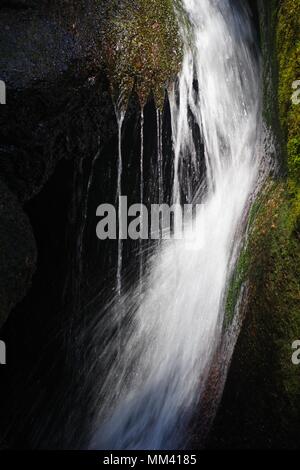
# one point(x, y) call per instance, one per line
point(142, 48)
point(261, 402)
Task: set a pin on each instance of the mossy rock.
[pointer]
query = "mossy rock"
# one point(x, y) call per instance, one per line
point(142, 48)
point(261, 402)
point(279, 20)
point(288, 47)
point(137, 43)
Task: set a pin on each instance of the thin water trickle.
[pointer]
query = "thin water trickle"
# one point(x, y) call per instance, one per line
point(120, 117)
point(141, 257)
point(159, 156)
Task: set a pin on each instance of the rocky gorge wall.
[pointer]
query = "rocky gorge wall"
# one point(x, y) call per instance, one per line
point(64, 63)
point(261, 402)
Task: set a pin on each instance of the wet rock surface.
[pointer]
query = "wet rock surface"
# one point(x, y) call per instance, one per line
point(17, 252)
point(58, 162)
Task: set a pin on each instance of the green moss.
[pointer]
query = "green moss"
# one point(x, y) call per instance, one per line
point(274, 319)
point(255, 232)
point(279, 21)
point(137, 42)
point(235, 285)
point(268, 12)
point(288, 47)
point(261, 404)
point(293, 149)
point(143, 48)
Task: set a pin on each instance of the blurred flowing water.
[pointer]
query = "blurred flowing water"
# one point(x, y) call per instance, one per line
point(170, 329)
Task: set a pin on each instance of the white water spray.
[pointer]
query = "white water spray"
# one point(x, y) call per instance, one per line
point(172, 331)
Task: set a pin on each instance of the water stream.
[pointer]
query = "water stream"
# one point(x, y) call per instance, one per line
point(172, 330)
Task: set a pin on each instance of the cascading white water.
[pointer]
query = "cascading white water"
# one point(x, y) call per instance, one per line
point(172, 331)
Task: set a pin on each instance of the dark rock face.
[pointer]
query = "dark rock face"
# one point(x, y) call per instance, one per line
point(58, 99)
point(75, 272)
point(59, 161)
point(62, 165)
point(59, 119)
point(50, 78)
point(17, 253)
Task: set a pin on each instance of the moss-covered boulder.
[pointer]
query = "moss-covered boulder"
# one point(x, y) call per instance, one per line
point(138, 43)
point(261, 402)
point(142, 47)
point(55, 56)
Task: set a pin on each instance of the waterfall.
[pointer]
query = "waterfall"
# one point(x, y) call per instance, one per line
point(173, 330)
